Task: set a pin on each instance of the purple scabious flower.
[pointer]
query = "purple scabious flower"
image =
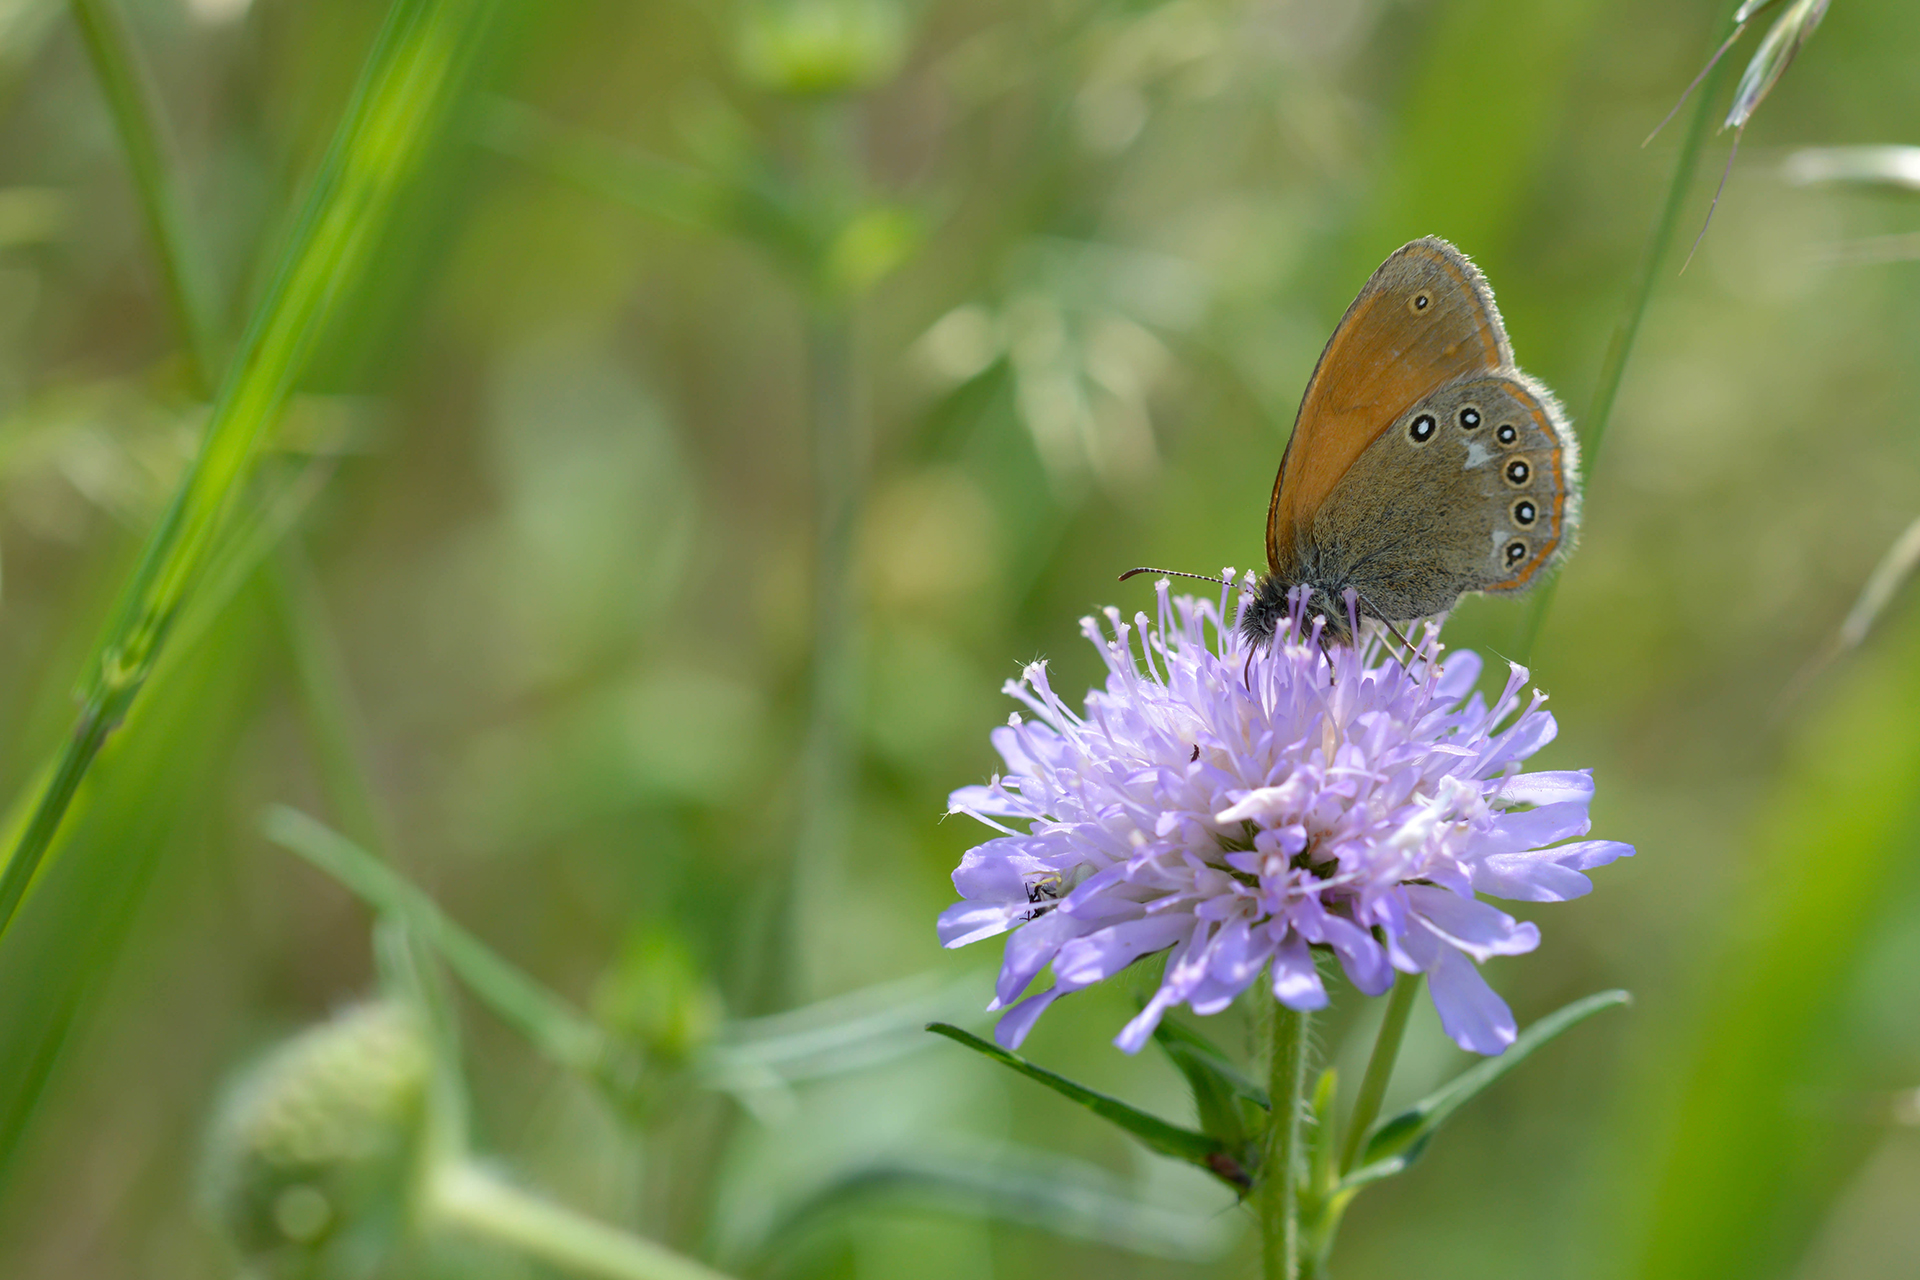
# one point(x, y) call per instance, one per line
point(1240, 808)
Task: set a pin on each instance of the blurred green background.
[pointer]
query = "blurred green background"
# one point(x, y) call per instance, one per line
point(740, 393)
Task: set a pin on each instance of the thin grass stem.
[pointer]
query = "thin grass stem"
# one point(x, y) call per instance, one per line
point(135, 107)
point(827, 766)
point(1614, 368)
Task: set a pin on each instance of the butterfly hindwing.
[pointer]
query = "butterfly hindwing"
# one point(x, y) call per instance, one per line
point(1472, 488)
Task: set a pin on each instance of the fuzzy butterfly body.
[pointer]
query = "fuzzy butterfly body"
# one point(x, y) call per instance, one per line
point(1423, 464)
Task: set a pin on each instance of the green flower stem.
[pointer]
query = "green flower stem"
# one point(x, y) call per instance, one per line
point(828, 180)
point(1386, 1051)
point(1627, 329)
point(137, 118)
point(839, 474)
point(398, 108)
point(1278, 1192)
point(465, 1198)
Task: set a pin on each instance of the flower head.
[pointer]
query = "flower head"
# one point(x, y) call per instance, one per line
point(1240, 808)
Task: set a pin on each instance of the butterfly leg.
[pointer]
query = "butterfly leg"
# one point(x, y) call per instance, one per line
point(1412, 650)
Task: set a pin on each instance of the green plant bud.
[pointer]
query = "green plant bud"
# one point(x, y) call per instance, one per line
point(312, 1151)
point(657, 998)
point(818, 48)
point(659, 1010)
point(870, 246)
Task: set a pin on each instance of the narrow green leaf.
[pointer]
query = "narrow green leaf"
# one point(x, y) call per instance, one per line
point(555, 1027)
point(410, 78)
point(1029, 1188)
point(138, 816)
point(282, 498)
point(843, 1033)
point(1322, 1199)
point(1183, 1044)
point(1168, 1139)
point(1322, 1173)
point(1398, 1142)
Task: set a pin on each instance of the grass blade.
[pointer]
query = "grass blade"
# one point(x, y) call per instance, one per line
point(1613, 370)
point(1051, 1193)
point(398, 108)
point(1727, 1136)
point(136, 116)
point(140, 813)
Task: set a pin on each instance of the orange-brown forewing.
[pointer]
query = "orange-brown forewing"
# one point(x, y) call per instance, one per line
point(1388, 351)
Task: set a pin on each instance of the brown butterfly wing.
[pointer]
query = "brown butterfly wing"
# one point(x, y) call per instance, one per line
point(1423, 319)
point(1473, 488)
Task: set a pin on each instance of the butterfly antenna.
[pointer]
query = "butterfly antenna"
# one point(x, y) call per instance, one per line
point(1175, 573)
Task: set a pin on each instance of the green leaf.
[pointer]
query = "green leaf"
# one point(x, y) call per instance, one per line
point(133, 834)
point(1324, 1198)
point(555, 1027)
point(849, 1032)
point(1323, 1174)
point(1229, 1105)
point(1398, 1142)
point(1062, 1196)
point(1168, 1139)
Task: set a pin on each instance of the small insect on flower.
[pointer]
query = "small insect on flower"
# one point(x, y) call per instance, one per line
point(1242, 808)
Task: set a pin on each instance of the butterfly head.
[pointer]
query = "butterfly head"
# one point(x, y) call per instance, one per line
point(1278, 605)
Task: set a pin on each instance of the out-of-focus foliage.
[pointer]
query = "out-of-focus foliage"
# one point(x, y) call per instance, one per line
point(1042, 283)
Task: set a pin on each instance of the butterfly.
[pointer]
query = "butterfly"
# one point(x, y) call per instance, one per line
point(1423, 463)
